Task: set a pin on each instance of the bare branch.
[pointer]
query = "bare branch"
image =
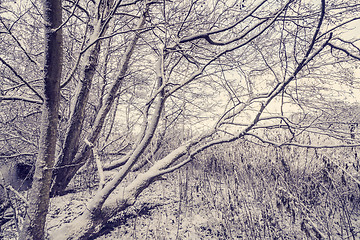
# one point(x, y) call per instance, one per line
point(72, 13)
point(17, 41)
point(17, 155)
point(344, 50)
point(303, 145)
point(200, 71)
point(24, 99)
point(21, 78)
point(339, 25)
point(207, 35)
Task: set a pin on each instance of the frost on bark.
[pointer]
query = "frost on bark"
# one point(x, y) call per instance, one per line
point(39, 195)
point(194, 60)
point(99, 210)
point(72, 141)
point(76, 153)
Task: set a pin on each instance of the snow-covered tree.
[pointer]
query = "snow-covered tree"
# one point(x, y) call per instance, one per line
point(137, 72)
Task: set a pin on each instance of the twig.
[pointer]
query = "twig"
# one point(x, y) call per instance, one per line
point(71, 14)
point(18, 195)
point(21, 78)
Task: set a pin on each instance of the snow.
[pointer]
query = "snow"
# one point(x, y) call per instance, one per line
point(211, 200)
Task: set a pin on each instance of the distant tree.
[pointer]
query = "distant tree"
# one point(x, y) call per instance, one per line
point(198, 73)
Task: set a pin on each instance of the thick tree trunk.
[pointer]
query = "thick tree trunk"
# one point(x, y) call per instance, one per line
point(65, 163)
point(100, 209)
point(72, 141)
point(79, 155)
point(39, 195)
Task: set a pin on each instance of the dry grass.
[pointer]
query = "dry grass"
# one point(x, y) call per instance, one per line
point(237, 191)
point(244, 191)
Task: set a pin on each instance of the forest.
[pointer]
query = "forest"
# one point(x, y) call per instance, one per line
point(168, 119)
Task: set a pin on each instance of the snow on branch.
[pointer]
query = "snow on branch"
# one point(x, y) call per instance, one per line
point(24, 99)
point(344, 50)
point(21, 78)
point(95, 152)
point(17, 155)
point(207, 35)
point(276, 144)
point(9, 187)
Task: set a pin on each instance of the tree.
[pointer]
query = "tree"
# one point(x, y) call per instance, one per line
point(39, 199)
point(222, 70)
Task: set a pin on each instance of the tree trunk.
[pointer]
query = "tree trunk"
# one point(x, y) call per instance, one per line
point(39, 195)
point(72, 141)
point(79, 155)
point(65, 162)
point(100, 209)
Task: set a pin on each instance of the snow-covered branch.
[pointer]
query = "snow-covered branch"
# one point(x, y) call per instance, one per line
point(21, 78)
point(18, 98)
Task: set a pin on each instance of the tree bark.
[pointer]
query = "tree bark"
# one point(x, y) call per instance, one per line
point(39, 195)
point(65, 162)
point(72, 141)
point(80, 154)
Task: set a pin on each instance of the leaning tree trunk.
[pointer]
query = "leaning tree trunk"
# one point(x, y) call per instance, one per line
point(39, 195)
point(80, 153)
point(77, 118)
point(65, 164)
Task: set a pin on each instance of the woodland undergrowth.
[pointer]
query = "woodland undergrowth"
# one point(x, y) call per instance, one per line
point(236, 191)
point(248, 191)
